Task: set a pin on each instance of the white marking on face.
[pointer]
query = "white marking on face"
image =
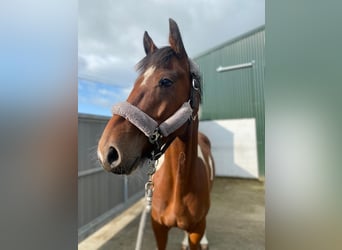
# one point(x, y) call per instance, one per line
point(147, 74)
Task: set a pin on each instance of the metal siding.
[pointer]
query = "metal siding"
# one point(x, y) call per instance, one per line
point(98, 193)
point(101, 195)
point(89, 131)
point(239, 93)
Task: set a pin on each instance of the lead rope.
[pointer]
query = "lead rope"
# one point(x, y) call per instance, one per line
point(148, 198)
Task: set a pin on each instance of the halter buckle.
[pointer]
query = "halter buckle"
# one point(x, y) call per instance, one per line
point(155, 136)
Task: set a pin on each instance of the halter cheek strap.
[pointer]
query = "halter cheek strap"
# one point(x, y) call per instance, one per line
point(183, 114)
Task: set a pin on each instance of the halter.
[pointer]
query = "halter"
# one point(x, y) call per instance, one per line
point(150, 127)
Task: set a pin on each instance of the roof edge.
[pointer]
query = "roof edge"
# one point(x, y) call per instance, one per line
point(233, 40)
point(92, 116)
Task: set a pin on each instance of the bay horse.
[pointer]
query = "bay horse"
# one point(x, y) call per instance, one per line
point(160, 119)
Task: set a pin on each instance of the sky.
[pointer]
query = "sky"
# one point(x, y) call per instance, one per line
point(110, 35)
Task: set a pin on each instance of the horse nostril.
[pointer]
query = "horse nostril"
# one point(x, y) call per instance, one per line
point(112, 155)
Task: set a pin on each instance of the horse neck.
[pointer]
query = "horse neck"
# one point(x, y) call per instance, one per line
point(181, 157)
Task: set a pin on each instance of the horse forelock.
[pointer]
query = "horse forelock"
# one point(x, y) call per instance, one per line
point(160, 58)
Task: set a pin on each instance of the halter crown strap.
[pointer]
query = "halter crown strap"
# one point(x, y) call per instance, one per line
point(148, 125)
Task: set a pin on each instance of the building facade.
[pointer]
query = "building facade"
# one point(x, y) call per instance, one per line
point(233, 78)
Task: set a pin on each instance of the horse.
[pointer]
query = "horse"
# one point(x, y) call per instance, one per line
point(159, 120)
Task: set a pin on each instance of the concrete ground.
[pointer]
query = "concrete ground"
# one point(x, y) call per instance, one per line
point(236, 220)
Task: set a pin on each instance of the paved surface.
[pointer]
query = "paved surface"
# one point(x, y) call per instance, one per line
point(236, 220)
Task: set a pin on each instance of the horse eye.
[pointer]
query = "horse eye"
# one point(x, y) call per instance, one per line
point(165, 82)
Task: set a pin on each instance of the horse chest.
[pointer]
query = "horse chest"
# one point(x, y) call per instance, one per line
point(181, 213)
point(179, 199)
point(173, 218)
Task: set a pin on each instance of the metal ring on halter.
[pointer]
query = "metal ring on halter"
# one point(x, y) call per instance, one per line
point(194, 84)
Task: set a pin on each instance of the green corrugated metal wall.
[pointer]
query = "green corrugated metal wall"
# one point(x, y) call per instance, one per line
point(238, 93)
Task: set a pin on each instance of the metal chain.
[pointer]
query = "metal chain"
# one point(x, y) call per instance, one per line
point(149, 184)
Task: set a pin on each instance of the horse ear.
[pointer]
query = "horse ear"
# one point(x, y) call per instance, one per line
point(149, 45)
point(175, 38)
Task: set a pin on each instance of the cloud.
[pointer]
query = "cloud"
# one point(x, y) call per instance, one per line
point(94, 61)
point(105, 92)
point(100, 97)
point(110, 32)
point(101, 101)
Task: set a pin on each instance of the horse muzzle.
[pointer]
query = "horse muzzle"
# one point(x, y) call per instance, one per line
point(120, 147)
point(112, 161)
point(131, 132)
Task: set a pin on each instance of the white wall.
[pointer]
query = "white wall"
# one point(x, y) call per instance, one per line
point(234, 146)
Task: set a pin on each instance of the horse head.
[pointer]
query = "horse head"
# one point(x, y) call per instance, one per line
point(167, 81)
